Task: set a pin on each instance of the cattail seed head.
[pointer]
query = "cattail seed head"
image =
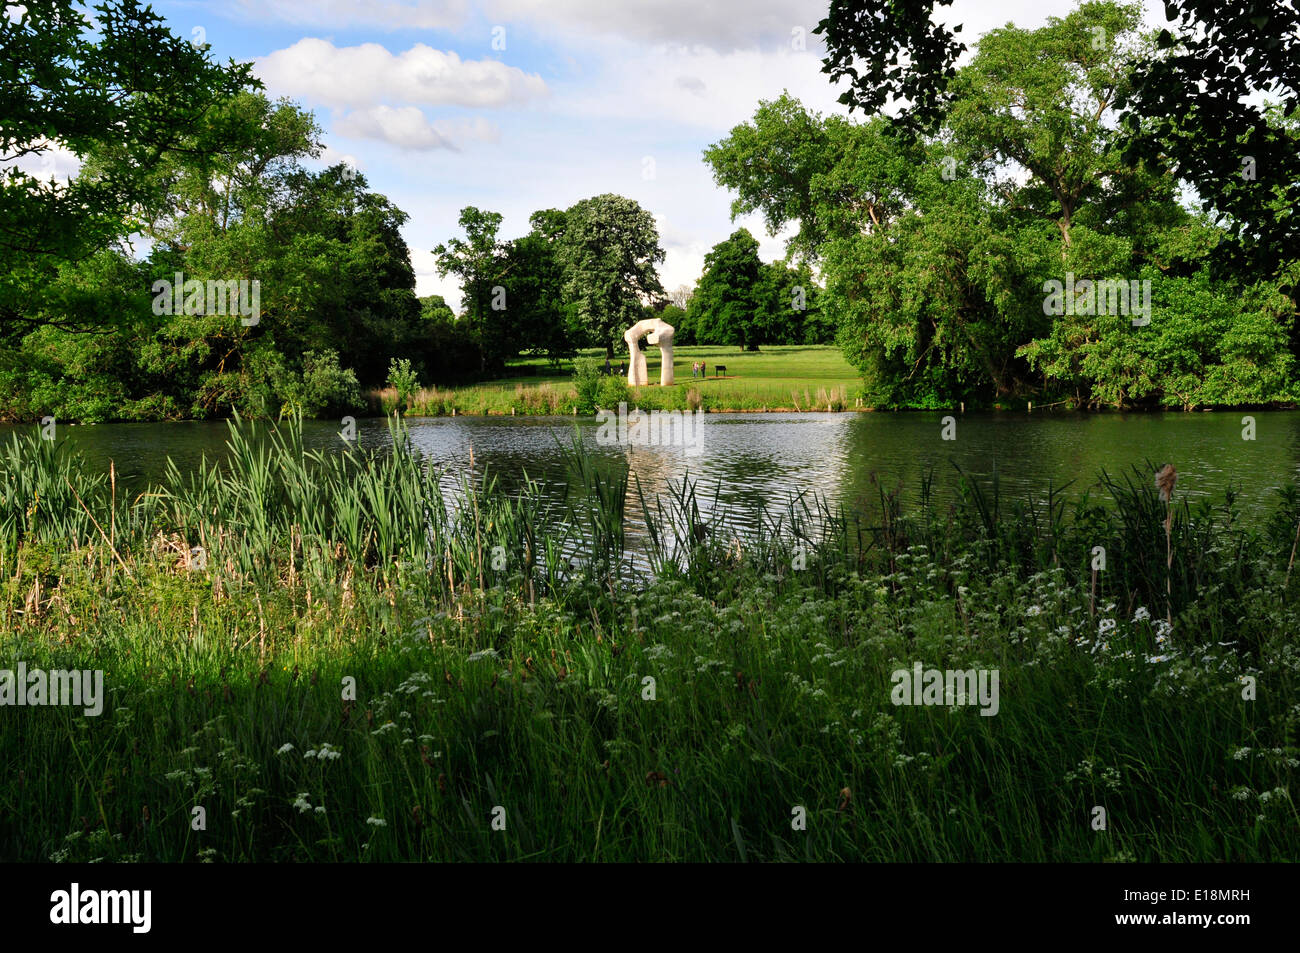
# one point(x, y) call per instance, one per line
point(1165, 479)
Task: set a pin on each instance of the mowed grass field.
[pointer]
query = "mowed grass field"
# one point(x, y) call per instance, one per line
point(779, 378)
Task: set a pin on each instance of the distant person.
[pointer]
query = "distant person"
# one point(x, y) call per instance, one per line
point(704, 369)
point(607, 365)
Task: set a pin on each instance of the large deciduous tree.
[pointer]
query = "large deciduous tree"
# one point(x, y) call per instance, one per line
point(727, 307)
point(609, 248)
point(477, 260)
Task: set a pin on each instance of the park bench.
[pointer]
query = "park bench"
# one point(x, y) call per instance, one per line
point(719, 369)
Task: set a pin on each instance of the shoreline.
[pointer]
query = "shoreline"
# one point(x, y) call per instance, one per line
point(374, 413)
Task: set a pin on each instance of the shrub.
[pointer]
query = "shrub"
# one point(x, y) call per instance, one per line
point(327, 388)
point(612, 391)
point(323, 388)
point(588, 382)
point(402, 379)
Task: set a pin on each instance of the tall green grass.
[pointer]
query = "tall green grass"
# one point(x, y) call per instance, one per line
point(500, 647)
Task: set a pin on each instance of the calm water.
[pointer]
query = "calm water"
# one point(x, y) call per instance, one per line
point(769, 456)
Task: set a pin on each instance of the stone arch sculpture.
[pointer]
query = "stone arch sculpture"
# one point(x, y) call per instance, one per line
point(659, 333)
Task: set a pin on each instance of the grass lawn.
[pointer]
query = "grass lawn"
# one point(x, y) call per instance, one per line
point(795, 377)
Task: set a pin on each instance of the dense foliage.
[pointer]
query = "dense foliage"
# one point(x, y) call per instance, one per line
point(958, 265)
point(743, 301)
point(1189, 96)
point(130, 92)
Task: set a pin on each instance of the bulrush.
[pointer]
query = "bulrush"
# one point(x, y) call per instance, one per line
point(1166, 477)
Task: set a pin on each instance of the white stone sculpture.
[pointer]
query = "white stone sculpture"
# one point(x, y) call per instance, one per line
point(659, 333)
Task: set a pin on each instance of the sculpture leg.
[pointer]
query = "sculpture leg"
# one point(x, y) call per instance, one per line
point(636, 365)
point(666, 367)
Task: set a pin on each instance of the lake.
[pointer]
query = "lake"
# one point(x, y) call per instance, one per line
point(752, 457)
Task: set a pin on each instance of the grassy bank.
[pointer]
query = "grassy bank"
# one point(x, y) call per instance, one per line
point(500, 649)
point(785, 378)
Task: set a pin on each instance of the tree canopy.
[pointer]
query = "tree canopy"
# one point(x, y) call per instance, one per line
point(610, 250)
point(128, 94)
point(940, 245)
point(1190, 99)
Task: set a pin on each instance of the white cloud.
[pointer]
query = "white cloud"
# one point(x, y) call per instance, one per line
point(719, 24)
point(408, 128)
point(331, 156)
point(695, 86)
point(381, 14)
point(54, 164)
point(363, 76)
point(692, 84)
point(404, 126)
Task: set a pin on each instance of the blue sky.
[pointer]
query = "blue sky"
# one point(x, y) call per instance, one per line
point(587, 96)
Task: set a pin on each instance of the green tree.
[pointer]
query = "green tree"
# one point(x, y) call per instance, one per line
point(327, 255)
point(404, 379)
point(609, 250)
point(791, 300)
point(683, 330)
point(1190, 105)
point(323, 388)
point(830, 177)
point(728, 306)
point(533, 276)
point(771, 164)
point(478, 261)
point(129, 92)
